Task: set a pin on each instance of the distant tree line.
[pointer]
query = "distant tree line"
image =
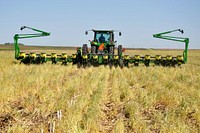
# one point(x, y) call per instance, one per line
point(13, 44)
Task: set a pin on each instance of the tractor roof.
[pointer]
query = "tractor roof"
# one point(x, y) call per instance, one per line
point(103, 30)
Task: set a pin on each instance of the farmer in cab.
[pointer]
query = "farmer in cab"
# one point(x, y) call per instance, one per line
point(101, 39)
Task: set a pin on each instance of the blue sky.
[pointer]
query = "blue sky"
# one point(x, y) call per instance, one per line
point(67, 21)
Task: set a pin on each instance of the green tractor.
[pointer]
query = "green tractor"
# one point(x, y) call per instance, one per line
point(102, 50)
point(103, 41)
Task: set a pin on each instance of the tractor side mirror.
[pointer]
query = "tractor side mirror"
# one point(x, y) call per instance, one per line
point(86, 32)
point(115, 41)
point(23, 27)
point(120, 34)
point(181, 31)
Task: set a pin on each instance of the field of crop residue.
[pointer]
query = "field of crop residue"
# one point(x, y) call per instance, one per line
point(43, 98)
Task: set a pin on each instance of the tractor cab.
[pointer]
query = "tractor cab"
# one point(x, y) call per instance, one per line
point(103, 42)
point(104, 36)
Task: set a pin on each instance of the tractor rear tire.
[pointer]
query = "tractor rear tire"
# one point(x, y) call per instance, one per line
point(119, 50)
point(84, 49)
point(93, 49)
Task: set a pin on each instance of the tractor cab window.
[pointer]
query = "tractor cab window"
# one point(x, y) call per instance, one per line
point(103, 37)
